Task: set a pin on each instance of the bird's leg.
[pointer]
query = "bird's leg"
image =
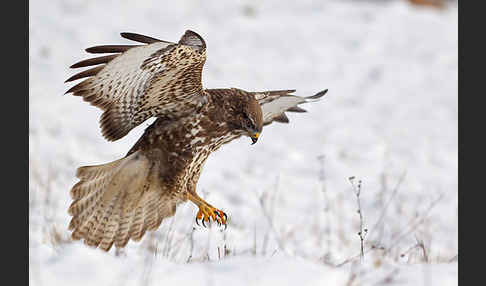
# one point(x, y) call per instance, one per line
point(206, 211)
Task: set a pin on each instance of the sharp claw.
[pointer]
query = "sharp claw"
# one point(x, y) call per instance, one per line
point(218, 216)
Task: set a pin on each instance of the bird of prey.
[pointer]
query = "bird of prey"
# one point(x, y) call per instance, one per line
point(121, 200)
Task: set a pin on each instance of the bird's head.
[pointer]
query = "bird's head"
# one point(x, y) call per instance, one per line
point(246, 115)
point(252, 119)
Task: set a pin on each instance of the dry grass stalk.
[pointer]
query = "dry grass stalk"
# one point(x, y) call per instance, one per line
point(362, 231)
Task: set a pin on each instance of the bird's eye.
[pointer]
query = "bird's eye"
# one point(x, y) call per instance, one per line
point(248, 121)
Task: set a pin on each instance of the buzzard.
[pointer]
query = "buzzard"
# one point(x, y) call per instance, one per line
point(121, 200)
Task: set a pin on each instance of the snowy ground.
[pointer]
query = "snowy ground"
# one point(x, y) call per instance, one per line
point(389, 119)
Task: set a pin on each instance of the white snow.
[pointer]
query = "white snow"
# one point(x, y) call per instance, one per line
point(389, 119)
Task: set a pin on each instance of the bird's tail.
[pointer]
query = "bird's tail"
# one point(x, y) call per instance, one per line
point(118, 201)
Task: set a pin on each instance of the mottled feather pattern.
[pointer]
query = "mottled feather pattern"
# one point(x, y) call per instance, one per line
point(113, 223)
point(158, 79)
point(118, 201)
point(122, 235)
point(102, 215)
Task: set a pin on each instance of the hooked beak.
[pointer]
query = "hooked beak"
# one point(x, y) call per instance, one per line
point(254, 137)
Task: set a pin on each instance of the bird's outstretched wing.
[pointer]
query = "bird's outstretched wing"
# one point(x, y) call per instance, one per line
point(136, 82)
point(275, 103)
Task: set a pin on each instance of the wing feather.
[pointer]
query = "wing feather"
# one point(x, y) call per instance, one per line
point(110, 49)
point(86, 73)
point(140, 38)
point(141, 81)
point(93, 61)
point(282, 118)
point(275, 103)
point(118, 201)
point(296, 109)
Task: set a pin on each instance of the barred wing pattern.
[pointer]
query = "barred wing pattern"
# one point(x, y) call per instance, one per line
point(275, 103)
point(118, 201)
point(141, 81)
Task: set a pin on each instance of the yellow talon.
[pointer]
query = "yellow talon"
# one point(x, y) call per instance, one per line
point(207, 212)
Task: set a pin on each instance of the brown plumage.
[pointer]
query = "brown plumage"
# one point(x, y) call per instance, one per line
point(121, 200)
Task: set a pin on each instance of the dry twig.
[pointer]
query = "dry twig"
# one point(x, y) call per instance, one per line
point(362, 231)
